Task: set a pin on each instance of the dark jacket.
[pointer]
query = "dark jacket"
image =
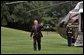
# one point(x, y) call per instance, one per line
point(69, 31)
point(36, 32)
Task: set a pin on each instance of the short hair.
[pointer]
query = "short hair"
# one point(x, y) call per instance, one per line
point(35, 21)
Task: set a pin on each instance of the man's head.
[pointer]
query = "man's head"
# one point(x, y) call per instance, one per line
point(35, 22)
point(69, 25)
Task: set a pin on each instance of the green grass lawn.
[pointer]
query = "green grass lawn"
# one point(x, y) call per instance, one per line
point(19, 42)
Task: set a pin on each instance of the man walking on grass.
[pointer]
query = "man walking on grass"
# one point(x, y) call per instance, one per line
point(36, 33)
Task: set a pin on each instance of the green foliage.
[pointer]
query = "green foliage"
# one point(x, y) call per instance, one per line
point(29, 10)
point(45, 11)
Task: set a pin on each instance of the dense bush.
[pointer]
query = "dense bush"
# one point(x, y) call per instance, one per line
point(21, 15)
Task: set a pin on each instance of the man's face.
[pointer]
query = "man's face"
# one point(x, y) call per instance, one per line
point(35, 22)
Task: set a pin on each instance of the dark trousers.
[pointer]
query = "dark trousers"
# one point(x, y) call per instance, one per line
point(69, 38)
point(37, 42)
